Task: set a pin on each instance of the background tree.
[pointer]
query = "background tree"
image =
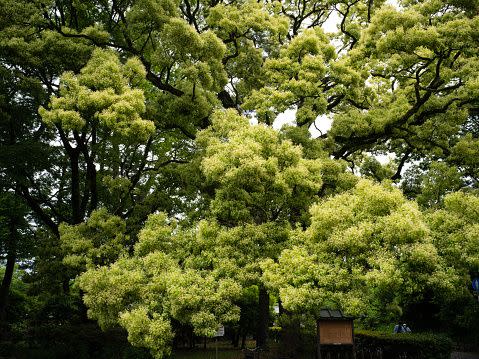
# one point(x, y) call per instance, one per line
point(367, 251)
point(13, 244)
point(396, 81)
point(455, 235)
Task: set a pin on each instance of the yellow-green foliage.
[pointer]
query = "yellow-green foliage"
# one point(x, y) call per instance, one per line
point(149, 331)
point(259, 176)
point(367, 251)
point(144, 292)
point(419, 67)
point(98, 241)
point(103, 92)
point(455, 231)
point(301, 77)
point(263, 185)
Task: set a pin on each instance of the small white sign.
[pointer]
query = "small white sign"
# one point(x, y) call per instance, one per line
point(220, 332)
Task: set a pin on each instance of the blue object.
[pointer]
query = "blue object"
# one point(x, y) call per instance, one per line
point(475, 284)
point(401, 328)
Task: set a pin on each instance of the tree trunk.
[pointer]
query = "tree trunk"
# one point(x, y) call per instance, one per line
point(7, 277)
point(318, 345)
point(75, 188)
point(263, 318)
point(236, 338)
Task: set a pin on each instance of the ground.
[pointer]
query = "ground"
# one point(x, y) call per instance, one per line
point(463, 355)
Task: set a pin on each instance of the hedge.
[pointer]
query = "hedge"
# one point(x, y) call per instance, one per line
point(407, 345)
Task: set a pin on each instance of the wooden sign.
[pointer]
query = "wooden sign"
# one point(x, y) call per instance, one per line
point(335, 332)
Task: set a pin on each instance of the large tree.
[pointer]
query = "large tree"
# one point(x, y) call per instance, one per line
point(367, 251)
point(263, 186)
point(126, 85)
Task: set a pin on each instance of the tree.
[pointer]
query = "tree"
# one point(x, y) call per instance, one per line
point(20, 157)
point(126, 87)
point(421, 96)
point(98, 241)
point(147, 291)
point(13, 228)
point(455, 235)
point(94, 110)
point(455, 231)
point(263, 186)
point(367, 251)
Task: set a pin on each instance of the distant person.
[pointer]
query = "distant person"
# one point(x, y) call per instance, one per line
point(401, 328)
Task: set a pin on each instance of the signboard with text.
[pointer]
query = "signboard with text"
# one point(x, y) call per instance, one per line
point(335, 332)
point(220, 332)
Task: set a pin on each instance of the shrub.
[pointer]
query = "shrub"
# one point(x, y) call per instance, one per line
point(410, 345)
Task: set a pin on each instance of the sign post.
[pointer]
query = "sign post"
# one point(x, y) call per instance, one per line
point(219, 333)
point(334, 329)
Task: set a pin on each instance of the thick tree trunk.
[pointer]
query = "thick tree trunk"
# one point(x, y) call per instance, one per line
point(7, 277)
point(243, 341)
point(66, 286)
point(91, 192)
point(91, 173)
point(236, 338)
point(263, 318)
point(6, 282)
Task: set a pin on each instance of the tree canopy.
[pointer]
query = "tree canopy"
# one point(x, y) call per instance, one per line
point(142, 174)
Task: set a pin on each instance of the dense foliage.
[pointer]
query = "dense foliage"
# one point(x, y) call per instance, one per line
point(427, 345)
point(367, 251)
point(144, 183)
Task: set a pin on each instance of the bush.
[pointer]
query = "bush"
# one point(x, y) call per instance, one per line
point(410, 345)
point(80, 341)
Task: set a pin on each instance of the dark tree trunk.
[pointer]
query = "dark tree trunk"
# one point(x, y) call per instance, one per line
point(91, 192)
point(318, 345)
point(263, 318)
point(6, 282)
point(66, 286)
point(236, 337)
point(7, 277)
point(75, 188)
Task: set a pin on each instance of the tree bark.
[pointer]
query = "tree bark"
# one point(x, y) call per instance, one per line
point(236, 338)
point(75, 188)
point(7, 277)
point(263, 318)
point(6, 282)
point(318, 345)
